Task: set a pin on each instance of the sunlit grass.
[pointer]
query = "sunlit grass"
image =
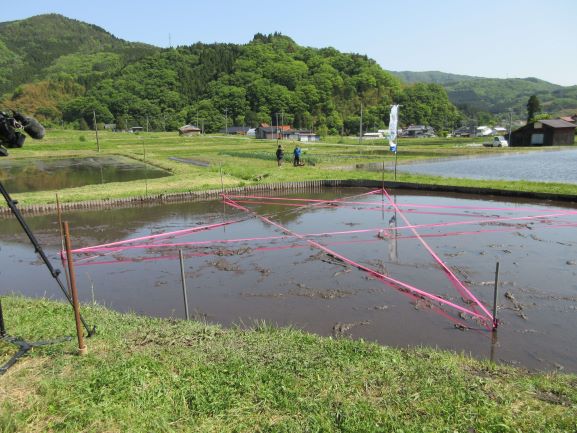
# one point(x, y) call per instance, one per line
point(143, 374)
point(244, 161)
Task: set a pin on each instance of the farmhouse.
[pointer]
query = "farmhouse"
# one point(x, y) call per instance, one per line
point(308, 136)
point(265, 132)
point(188, 130)
point(550, 132)
point(418, 131)
point(271, 132)
point(299, 135)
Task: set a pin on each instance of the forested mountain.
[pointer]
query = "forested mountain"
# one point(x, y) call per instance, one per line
point(430, 77)
point(475, 94)
point(28, 47)
point(499, 95)
point(63, 70)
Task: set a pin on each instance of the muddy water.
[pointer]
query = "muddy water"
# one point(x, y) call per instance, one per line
point(51, 174)
point(287, 281)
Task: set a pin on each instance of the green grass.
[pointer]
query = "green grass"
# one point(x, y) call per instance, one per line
point(153, 375)
point(246, 161)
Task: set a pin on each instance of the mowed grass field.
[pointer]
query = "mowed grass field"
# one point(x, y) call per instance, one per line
point(159, 375)
point(238, 161)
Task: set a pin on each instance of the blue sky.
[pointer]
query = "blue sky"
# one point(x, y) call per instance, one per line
point(491, 38)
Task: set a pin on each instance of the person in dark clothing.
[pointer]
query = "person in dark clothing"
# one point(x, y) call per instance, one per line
point(297, 156)
point(279, 155)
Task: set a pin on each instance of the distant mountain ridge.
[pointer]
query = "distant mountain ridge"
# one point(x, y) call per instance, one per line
point(498, 95)
point(436, 77)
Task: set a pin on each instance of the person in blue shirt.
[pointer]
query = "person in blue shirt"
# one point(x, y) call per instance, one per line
point(297, 156)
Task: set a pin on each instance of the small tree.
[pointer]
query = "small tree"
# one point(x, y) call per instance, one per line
point(533, 107)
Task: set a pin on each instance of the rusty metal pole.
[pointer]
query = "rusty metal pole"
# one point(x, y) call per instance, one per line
point(495, 296)
point(82, 350)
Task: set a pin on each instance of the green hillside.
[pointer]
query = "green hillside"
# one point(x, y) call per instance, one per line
point(28, 47)
point(63, 70)
point(493, 95)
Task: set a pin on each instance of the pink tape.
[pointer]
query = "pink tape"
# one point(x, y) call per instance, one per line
point(456, 282)
point(376, 209)
point(404, 205)
point(306, 235)
point(362, 267)
point(161, 235)
point(279, 248)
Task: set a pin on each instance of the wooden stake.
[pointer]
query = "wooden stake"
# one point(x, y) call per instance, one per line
point(183, 277)
point(82, 350)
point(221, 180)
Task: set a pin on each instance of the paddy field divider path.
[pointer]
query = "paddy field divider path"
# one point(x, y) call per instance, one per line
point(307, 185)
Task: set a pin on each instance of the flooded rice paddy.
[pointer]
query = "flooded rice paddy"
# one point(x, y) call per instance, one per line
point(52, 174)
point(541, 166)
point(344, 265)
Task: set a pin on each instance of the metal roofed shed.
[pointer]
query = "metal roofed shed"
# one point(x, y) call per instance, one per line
point(549, 132)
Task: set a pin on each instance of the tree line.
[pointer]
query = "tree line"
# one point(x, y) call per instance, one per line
point(213, 84)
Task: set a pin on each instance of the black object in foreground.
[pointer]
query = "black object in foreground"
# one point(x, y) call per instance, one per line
point(38, 249)
point(11, 127)
point(23, 346)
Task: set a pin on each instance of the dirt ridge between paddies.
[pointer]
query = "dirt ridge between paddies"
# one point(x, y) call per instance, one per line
point(311, 185)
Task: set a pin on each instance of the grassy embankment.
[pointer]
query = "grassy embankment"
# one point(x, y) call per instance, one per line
point(152, 375)
point(246, 161)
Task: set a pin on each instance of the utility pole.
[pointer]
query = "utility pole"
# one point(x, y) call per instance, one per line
point(96, 130)
point(147, 123)
point(510, 125)
point(361, 125)
point(226, 121)
point(276, 129)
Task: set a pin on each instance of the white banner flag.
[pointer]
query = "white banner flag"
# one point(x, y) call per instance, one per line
point(393, 120)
